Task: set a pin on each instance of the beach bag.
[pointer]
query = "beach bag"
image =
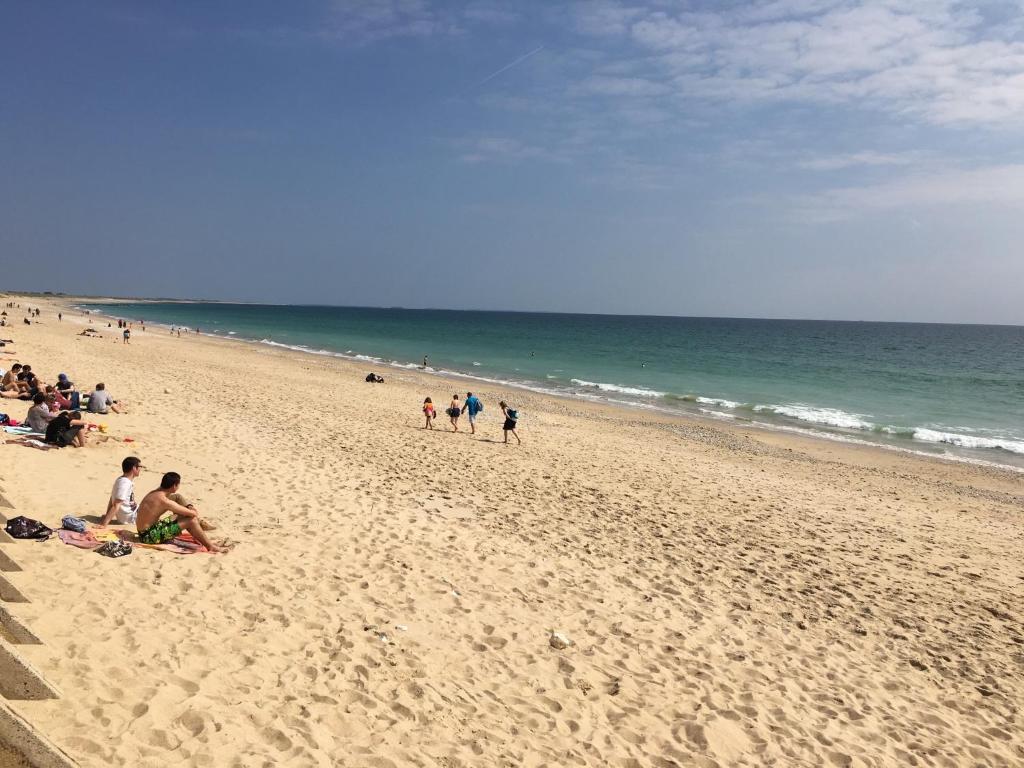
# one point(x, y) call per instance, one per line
point(4, 418)
point(72, 523)
point(21, 527)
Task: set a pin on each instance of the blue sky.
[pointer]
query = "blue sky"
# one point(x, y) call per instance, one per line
point(791, 158)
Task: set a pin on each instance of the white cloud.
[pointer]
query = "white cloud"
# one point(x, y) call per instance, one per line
point(502, 149)
point(367, 21)
point(488, 12)
point(996, 185)
point(855, 160)
point(938, 61)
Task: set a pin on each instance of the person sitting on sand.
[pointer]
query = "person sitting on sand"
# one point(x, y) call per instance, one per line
point(39, 416)
point(55, 401)
point(454, 411)
point(155, 528)
point(10, 380)
point(66, 428)
point(13, 389)
point(122, 504)
point(100, 401)
point(428, 411)
point(27, 380)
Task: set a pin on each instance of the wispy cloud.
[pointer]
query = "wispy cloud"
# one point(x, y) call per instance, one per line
point(373, 20)
point(939, 61)
point(511, 64)
point(503, 149)
point(996, 185)
point(857, 160)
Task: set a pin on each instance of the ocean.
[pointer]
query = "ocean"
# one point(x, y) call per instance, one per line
point(955, 390)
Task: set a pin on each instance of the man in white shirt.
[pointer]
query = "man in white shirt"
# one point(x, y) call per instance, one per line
point(122, 503)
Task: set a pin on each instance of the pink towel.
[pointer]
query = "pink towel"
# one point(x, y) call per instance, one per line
point(83, 540)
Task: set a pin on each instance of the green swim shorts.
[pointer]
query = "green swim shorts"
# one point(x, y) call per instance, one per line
point(162, 530)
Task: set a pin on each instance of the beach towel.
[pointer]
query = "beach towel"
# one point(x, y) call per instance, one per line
point(178, 545)
point(81, 540)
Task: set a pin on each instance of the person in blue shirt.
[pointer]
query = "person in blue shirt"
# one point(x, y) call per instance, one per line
point(472, 406)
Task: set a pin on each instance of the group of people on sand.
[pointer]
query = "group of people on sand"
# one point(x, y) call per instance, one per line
point(472, 406)
point(163, 513)
point(55, 411)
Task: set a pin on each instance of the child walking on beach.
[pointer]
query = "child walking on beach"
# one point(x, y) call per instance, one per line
point(454, 411)
point(511, 417)
point(428, 411)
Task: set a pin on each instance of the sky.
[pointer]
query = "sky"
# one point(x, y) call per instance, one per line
point(781, 158)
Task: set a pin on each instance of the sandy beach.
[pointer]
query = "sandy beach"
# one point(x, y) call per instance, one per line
point(734, 597)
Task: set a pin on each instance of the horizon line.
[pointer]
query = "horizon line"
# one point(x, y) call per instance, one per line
point(171, 300)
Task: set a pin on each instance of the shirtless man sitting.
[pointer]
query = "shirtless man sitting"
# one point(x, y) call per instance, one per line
point(153, 528)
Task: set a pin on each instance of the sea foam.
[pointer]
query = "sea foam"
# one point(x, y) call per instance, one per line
point(636, 391)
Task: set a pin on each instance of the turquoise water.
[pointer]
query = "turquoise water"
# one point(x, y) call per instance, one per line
point(954, 389)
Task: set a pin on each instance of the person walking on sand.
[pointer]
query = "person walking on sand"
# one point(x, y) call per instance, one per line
point(127, 334)
point(511, 417)
point(425, 360)
point(472, 406)
point(454, 411)
point(155, 528)
point(428, 411)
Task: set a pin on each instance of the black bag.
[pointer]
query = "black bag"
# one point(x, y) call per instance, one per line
point(26, 528)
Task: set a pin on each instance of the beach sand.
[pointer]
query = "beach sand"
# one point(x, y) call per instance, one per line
point(735, 597)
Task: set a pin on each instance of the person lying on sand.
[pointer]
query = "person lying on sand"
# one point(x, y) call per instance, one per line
point(155, 528)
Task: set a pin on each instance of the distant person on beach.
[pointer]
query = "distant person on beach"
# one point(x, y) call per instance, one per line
point(101, 402)
point(454, 411)
point(60, 317)
point(428, 411)
point(155, 528)
point(472, 407)
point(511, 417)
point(122, 504)
point(66, 428)
point(425, 359)
point(127, 334)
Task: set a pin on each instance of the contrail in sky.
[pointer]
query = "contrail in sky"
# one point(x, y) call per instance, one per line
point(507, 67)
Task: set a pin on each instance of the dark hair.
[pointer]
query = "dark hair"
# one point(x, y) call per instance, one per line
point(426, 401)
point(39, 398)
point(127, 465)
point(101, 385)
point(26, 367)
point(74, 415)
point(16, 367)
point(169, 480)
point(469, 394)
point(455, 396)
